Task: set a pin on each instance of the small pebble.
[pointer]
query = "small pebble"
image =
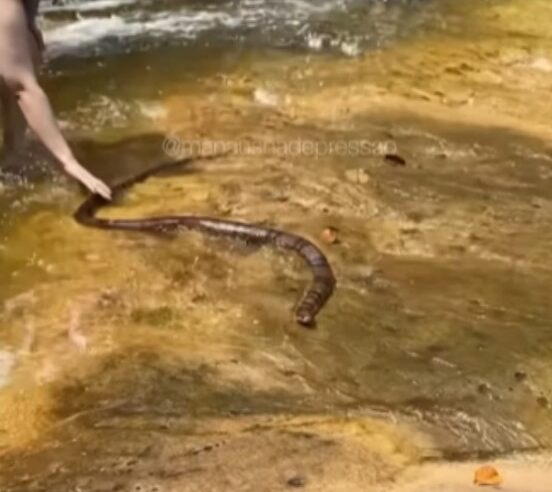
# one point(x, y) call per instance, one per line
point(520, 376)
point(484, 389)
point(329, 235)
point(297, 481)
point(358, 176)
point(543, 401)
point(266, 98)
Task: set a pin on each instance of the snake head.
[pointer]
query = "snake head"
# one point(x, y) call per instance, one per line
point(305, 319)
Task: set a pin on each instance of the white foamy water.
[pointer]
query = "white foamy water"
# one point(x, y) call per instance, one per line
point(83, 6)
point(87, 32)
point(99, 26)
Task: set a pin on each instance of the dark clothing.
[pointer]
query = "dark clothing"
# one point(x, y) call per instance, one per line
point(31, 9)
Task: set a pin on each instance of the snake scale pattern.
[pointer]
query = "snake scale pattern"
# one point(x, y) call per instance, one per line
point(315, 296)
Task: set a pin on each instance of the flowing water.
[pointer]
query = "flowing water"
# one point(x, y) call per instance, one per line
point(416, 128)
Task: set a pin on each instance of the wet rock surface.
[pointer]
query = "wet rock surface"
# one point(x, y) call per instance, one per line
point(160, 363)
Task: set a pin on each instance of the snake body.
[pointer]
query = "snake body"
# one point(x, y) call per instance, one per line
point(314, 298)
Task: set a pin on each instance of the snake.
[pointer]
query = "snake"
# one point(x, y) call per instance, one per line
point(315, 295)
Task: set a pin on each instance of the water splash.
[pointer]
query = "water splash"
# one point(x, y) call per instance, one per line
point(346, 26)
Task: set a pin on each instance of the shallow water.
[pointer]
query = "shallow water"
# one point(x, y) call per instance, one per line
point(137, 351)
point(347, 26)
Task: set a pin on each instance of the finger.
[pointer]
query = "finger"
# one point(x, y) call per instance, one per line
point(106, 193)
point(103, 190)
point(103, 194)
point(97, 187)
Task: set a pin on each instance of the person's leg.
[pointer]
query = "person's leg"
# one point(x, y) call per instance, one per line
point(14, 124)
point(17, 71)
point(13, 121)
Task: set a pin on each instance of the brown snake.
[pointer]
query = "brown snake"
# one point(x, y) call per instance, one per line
point(315, 297)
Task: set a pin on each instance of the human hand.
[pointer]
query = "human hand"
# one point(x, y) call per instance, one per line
point(94, 184)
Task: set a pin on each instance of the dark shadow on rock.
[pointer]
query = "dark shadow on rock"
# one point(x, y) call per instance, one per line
point(111, 162)
point(119, 160)
point(154, 386)
point(141, 415)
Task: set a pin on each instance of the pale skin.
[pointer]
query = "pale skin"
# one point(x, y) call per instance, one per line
point(23, 100)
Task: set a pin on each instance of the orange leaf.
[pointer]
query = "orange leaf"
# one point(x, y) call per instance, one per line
point(329, 235)
point(487, 475)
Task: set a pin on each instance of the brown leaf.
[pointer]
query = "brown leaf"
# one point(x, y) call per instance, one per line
point(395, 159)
point(487, 475)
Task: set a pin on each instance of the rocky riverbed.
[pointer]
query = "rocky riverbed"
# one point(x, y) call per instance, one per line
point(144, 363)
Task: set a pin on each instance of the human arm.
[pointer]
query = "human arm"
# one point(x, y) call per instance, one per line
point(19, 78)
point(37, 111)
